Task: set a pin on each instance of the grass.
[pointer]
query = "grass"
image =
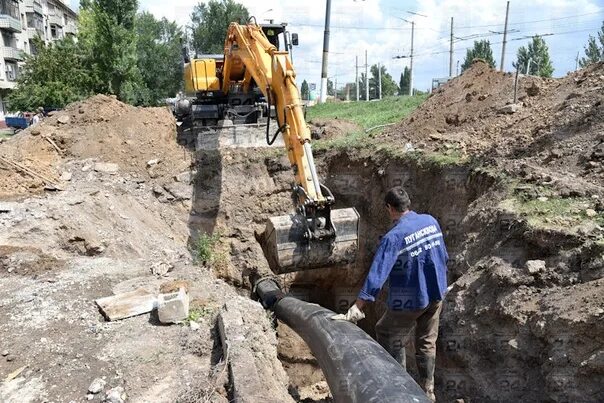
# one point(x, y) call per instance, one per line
point(368, 114)
point(553, 212)
point(205, 247)
point(6, 134)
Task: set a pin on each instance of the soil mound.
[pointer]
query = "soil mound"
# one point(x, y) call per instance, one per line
point(138, 140)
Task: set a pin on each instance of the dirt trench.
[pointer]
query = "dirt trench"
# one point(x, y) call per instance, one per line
point(507, 333)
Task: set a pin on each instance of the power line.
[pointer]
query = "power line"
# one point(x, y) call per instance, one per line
point(533, 21)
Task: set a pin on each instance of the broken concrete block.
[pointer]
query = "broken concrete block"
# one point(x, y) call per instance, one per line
point(106, 167)
point(511, 108)
point(63, 119)
point(183, 177)
point(174, 307)
point(96, 386)
point(115, 395)
point(535, 266)
point(150, 163)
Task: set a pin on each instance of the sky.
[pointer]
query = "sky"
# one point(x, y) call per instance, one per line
point(379, 27)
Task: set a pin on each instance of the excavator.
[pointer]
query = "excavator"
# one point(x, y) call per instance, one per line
point(254, 80)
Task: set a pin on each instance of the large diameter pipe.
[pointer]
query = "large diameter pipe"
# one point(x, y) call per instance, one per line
point(356, 368)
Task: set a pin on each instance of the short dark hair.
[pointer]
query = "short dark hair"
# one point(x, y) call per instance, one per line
point(398, 199)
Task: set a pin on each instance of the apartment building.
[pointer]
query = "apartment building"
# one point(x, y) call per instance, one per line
point(20, 22)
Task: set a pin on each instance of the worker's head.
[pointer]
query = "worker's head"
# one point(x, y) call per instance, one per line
point(397, 202)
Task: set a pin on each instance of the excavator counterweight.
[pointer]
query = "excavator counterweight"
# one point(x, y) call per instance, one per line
point(256, 80)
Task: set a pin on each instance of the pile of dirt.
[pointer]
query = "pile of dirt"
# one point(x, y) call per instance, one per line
point(556, 123)
point(328, 129)
point(140, 141)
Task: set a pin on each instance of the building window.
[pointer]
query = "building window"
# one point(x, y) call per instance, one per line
point(32, 48)
point(53, 31)
point(34, 20)
point(9, 39)
point(10, 7)
point(12, 71)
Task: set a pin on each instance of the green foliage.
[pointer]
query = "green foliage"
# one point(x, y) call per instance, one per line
point(54, 77)
point(554, 211)
point(364, 114)
point(114, 48)
point(305, 91)
point(481, 50)
point(389, 87)
point(594, 52)
point(210, 22)
point(405, 81)
point(135, 57)
point(367, 114)
point(538, 54)
point(159, 58)
point(330, 89)
point(205, 246)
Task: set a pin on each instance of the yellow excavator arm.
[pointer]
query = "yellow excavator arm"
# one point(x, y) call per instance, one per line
point(248, 55)
point(315, 236)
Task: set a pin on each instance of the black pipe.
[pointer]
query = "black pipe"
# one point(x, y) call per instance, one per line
point(356, 367)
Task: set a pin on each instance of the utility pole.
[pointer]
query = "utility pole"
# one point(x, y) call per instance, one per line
point(577, 62)
point(451, 51)
point(411, 56)
point(528, 66)
point(325, 53)
point(357, 79)
point(380, 80)
point(366, 78)
point(505, 36)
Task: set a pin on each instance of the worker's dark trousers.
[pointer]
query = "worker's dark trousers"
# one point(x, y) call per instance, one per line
point(393, 331)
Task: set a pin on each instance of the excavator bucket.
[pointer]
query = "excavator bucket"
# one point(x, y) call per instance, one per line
point(288, 250)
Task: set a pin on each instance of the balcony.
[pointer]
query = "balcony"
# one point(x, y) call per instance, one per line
point(70, 29)
point(10, 23)
point(34, 5)
point(55, 20)
point(10, 53)
point(34, 32)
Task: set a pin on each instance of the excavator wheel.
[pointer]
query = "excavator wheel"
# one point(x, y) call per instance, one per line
point(287, 249)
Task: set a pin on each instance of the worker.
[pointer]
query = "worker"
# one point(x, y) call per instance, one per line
point(413, 257)
point(38, 116)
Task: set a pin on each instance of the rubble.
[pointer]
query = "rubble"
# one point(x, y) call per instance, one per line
point(97, 386)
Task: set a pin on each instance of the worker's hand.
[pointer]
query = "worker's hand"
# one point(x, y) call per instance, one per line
point(353, 315)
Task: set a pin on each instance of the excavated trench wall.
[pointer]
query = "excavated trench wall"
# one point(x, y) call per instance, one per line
point(485, 351)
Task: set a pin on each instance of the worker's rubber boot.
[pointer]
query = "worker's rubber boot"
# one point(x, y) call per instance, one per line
point(425, 368)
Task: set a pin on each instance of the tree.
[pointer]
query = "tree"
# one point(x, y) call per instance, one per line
point(362, 86)
point(481, 50)
point(305, 91)
point(210, 22)
point(330, 90)
point(55, 76)
point(538, 55)
point(405, 81)
point(389, 86)
point(114, 48)
point(593, 52)
point(158, 57)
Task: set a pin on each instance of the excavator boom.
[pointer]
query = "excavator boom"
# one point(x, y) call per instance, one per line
point(315, 235)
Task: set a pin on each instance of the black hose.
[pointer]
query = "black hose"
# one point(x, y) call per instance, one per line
point(270, 141)
point(357, 369)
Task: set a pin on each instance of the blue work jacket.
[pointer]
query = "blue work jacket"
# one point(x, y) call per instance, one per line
point(413, 258)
